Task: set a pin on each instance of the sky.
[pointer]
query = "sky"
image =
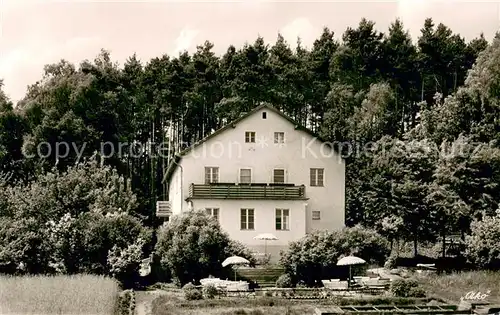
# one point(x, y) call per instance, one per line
point(35, 33)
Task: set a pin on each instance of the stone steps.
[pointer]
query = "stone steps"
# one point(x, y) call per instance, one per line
point(264, 276)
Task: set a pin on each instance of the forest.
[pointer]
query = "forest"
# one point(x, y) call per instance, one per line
point(421, 114)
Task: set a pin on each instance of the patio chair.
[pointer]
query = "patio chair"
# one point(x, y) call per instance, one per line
point(360, 280)
point(336, 284)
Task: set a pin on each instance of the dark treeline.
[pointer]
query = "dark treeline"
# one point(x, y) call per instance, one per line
point(370, 87)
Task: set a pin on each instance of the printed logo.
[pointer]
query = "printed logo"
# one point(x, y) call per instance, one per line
point(475, 296)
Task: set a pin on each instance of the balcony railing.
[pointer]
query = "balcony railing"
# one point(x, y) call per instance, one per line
point(247, 191)
point(163, 208)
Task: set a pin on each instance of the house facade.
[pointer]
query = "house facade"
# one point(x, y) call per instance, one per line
point(262, 173)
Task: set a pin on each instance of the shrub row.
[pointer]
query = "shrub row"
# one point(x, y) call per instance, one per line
point(314, 257)
point(191, 292)
point(407, 288)
point(482, 246)
point(284, 281)
point(126, 303)
point(192, 247)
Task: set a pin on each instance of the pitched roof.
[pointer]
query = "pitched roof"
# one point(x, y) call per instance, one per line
point(171, 168)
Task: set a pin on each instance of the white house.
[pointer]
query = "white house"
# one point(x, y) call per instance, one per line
point(262, 173)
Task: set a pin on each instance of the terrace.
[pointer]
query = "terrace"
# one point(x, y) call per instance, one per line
point(247, 191)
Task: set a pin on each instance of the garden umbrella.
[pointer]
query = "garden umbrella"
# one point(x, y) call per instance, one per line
point(235, 260)
point(266, 237)
point(350, 261)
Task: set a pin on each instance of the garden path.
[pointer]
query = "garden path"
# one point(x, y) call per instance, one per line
point(143, 301)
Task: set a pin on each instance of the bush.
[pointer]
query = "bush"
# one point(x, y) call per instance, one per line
point(406, 288)
point(125, 263)
point(63, 221)
point(364, 243)
point(191, 292)
point(24, 246)
point(126, 303)
point(314, 257)
point(284, 281)
point(192, 246)
point(210, 291)
point(391, 263)
point(482, 246)
point(102, 244)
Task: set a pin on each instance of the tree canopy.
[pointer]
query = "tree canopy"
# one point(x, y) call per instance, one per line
point(418, 97)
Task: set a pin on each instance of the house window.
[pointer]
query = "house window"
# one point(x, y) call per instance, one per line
point(245, 176)
point(250, 136)
point(316, 215)
point(213, 212)
point(282, 219)
point(279, 176)
point(279, 137)
point(247, 219)
point(264, 115)
point(211, 175)
point(317, 177)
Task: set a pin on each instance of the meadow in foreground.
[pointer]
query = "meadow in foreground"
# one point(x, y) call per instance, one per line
point(456, 285)
point(79, 294)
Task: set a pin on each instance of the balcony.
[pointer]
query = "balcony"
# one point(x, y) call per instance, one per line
point(163, 208)
point(247, 191)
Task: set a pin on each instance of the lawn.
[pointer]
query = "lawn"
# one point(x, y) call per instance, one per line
point(453, 286)
point(80, 294)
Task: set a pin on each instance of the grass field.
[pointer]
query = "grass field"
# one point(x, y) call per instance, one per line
point(81, 294)
point(453, 286)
